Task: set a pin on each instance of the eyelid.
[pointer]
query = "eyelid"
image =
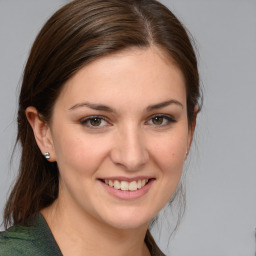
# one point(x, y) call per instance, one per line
point(86, 119)
point(170, 119)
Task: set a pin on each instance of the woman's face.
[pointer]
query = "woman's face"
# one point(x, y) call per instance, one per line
point(120, 133)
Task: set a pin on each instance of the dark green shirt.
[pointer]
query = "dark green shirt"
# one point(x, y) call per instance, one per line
point(37, 240)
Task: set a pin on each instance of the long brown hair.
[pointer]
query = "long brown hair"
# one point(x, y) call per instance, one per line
point(77, 34)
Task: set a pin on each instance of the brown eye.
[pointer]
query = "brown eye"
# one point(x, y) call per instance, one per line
point(161, 120)
point(95, 121)
point(157, 120)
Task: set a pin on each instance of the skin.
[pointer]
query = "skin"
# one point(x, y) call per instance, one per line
point(129, 143)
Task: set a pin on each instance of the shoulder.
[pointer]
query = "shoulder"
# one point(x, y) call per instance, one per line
point(17, 240)
point(32, 240)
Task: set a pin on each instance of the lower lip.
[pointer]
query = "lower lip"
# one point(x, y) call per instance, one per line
point(128, 195)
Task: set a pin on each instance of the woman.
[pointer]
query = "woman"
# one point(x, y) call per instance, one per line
point(107, 112)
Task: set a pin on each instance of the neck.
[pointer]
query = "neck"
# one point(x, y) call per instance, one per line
point(78, 234)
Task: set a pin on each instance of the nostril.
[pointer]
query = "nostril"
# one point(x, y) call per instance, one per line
point(130, 153)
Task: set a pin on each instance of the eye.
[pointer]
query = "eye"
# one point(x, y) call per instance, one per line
point(161, 120)
point(94, 121)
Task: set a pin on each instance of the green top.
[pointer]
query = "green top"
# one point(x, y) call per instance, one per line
point(37, 240)
point(27, 241)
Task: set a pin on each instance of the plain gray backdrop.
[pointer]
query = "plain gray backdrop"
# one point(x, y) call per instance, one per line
point(221, 182)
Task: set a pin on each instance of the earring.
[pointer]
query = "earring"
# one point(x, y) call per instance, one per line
point(47, 155)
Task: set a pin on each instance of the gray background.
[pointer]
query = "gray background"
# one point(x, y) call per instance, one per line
point(221, 183)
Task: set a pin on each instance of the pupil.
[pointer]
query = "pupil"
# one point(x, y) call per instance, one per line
point(158, 120)
point(95, 121)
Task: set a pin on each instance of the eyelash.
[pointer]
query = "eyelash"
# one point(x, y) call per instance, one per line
point(168, 120)
point(86, 120)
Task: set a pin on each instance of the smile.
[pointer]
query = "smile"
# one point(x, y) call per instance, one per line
point(125, 185)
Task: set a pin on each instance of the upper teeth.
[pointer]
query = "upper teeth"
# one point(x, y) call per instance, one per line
point(125, 185)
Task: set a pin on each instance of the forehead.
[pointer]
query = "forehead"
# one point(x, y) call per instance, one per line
point(129, 77)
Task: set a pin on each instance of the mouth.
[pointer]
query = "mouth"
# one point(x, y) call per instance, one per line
point(126, 185)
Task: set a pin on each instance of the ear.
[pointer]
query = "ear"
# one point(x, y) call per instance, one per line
point(192, 128)
point(41, 131)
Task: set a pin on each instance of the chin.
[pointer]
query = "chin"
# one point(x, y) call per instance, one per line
point(128, 219)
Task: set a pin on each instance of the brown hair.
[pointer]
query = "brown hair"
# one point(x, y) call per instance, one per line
point(77, 34)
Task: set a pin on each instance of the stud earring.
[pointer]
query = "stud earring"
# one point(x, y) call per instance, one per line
point(47, 155)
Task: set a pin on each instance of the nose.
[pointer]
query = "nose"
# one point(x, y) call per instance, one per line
point(129, 150)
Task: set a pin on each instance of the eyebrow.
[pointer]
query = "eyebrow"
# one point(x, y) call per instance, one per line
point(93, 106)
point(163, 104)
point(105, 108)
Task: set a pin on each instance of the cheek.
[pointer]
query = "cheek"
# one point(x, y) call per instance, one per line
point(79, 153)
point(170, 153)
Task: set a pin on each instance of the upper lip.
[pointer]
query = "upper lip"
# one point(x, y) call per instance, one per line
point(122, 178)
